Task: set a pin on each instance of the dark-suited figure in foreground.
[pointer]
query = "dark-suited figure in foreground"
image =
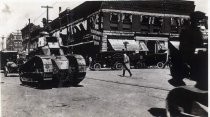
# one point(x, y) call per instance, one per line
point(192, 61)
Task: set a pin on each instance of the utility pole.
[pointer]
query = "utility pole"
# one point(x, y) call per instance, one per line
point(47, 7)
point(29, 30)
point(59, 18)
point(2, 41)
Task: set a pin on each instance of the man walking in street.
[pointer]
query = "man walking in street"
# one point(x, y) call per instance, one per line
point(126, 64)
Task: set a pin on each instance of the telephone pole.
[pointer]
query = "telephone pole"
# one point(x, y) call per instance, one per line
point(29, 30)
point(2, 42)
point(47, 7)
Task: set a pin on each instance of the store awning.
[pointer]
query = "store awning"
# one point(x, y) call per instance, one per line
point(119, 44)
point(142, 46)
point(139, 38)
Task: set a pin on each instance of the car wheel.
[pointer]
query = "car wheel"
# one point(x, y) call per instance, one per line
point(97, 66)
point(118, 66)
point(160, 65)
point(5, 72)
point(21, 78)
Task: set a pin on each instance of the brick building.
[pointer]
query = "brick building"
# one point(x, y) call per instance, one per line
point(14, 42)
point(103, 26)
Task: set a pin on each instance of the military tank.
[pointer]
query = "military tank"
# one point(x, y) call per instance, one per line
point(46, 61)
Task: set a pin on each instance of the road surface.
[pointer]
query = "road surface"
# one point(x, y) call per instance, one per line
point(101, 94)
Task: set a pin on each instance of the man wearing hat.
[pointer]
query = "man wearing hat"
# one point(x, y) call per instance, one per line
point(191, 39)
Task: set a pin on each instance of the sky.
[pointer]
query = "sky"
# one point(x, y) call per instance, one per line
point(14, 14)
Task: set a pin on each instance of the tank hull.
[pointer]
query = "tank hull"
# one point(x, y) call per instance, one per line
point(61, 70)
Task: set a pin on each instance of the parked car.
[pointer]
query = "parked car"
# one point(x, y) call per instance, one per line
point(9, 62)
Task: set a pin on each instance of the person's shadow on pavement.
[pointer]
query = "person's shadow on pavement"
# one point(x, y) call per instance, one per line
point(158, 112)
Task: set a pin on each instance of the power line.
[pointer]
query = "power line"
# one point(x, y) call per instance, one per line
point(43, 13)
point(39, 16)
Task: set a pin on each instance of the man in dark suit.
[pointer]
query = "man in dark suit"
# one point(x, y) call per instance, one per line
point(191, 39)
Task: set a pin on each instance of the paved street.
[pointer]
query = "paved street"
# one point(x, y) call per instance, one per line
point(102, 94)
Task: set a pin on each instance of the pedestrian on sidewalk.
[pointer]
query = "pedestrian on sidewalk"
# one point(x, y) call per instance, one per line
point(126, 64)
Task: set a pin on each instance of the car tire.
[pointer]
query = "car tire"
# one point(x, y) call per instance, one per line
point(97, 66)
point(5, 72)
point(118, 66)
point(160, 65)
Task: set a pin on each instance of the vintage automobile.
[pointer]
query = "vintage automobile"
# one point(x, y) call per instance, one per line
point(157, 60)
point(9, 62)
point(111, 60)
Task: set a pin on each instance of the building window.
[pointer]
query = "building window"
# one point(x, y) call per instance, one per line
point(127, 21)
point(175, 24)
point(91, 23)
point(96, 21)
point(185, 23)
point(102, 21)
point(157, 23)
point(114, 18)
point(145, 20)
point(127, 18)
point(175, 21)
point(18, 37)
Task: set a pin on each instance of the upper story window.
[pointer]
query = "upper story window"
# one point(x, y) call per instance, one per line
point(102, 20)
point(175, 21)
point(93, 22)
point(157, 21)
point(114, 17)
point(127, 18)
point(145, 20)
point(185, 22)
point(96, 21)
point(175, 24)
point(18, 37)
